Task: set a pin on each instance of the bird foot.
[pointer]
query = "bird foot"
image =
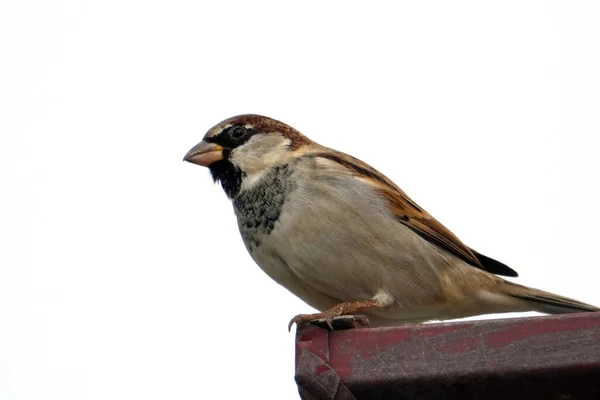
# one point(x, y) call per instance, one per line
point(338, 323)
point(340, 309)
point(327, 316)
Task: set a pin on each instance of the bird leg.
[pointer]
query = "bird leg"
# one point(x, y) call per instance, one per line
point(348, 308)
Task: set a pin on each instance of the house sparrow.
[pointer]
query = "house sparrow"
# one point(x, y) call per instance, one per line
point(344, 238)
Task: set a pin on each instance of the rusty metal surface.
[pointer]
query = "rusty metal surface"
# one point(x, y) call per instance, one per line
point(549, 357)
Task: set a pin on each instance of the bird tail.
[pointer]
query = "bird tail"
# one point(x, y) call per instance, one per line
point(545, 302)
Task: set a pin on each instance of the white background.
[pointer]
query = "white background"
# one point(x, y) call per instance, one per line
point(122, 273)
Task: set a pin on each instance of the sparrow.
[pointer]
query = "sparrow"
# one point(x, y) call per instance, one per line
point(345, 239)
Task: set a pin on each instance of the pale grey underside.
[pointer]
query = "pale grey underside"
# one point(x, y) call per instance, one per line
point(335, 241)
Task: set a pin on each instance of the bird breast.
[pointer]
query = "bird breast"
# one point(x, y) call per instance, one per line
point(334, 234)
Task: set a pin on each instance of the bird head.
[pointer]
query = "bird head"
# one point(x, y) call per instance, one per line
point(243, 146)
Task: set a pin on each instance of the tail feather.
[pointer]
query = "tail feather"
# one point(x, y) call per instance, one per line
point(547, 302)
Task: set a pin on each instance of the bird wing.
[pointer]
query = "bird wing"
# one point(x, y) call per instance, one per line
point(407, 212)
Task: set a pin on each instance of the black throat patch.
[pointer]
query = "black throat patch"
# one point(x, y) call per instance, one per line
point(258, 208)
point(228, 175)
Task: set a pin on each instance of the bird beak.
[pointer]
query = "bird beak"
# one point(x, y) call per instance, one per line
point(204, 154)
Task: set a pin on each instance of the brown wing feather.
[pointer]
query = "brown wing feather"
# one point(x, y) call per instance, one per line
point(404, 208)
point(425, 225)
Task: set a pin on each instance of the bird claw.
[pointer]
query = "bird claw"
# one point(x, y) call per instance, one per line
point(362, 321)
point(301, 318)
point(296, 320)
point(329, 321)
point(332, 323)
point(349, 308)
point(328, 316)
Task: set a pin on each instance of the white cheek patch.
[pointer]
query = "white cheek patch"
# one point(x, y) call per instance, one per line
point(261, 152)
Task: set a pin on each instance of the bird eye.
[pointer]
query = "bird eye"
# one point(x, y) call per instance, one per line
point(238, 132)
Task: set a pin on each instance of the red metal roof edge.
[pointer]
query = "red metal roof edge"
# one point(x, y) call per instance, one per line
point(523, 357)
